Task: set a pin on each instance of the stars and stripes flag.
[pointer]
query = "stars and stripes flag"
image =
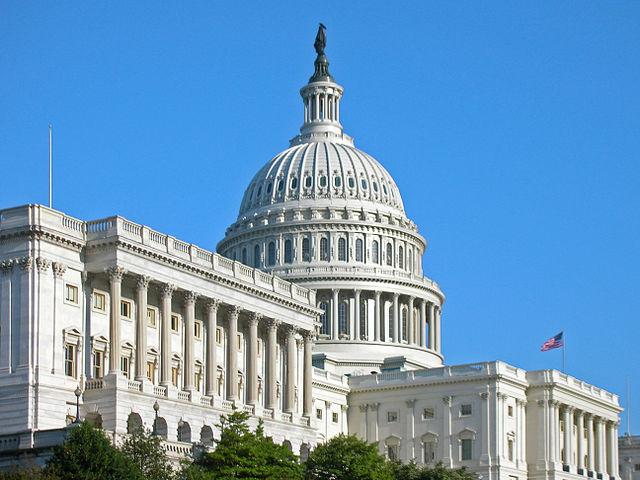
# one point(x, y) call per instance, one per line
point(553, 342)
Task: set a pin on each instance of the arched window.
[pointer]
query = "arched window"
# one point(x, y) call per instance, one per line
point(294, 183)
point(288, 251)
point(324, 249)
point(256, 256)
point(323, 181)
point(307, 182)
point(324, 318)
point(337, 182)
point(404, 324)
point(389, 254)
point(375, 252)
point(306, 250)
point(359, 250)
point(244, 255)
point(343, 327)
point(271, 253)
point(363, 319)
point(280, 185)
point(400, 257)
point(342, 249)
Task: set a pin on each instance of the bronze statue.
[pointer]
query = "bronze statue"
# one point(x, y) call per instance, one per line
point(321, 40)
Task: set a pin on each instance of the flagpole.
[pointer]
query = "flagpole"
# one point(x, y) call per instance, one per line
point(50, 166)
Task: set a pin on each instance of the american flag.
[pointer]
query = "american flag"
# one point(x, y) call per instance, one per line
point(553, 342)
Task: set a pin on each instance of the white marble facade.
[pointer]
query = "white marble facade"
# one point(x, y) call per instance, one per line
point(315, 316)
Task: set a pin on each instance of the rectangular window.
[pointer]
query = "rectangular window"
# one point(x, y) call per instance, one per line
point(197, 330)
point(219, 336)
point(392, 452)
point(174, 376)
point(428, 413)
point(334, 417)
point(98, 366)
point(99, 301)
point(70, 360)
point(510, 411)
point(637, 467)
point(71, 294)
point(175, 323)
point(392, 417)
point(510, 449)
point(151, 370)
point(465, 409)
point(465, 447)
point(196, 379)
point(239, 342)
point(124, 366)
point(125, 309)
point(152, 317)
point(429, 452)
point(319, 413)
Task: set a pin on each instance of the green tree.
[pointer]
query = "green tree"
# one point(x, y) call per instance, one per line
point(27, 474)
point(87, 454)
point(347, 458)
point(146, 452)
point(437, 472)
point(243, 454)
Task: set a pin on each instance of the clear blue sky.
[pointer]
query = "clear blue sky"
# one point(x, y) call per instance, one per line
point(511, 128)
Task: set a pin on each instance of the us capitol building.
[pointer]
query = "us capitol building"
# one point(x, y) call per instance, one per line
point(314, 316)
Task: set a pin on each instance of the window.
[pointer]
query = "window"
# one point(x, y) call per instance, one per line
point(98, 364)
point(125, 309)
point(197, 377)
point(70, 360)
point(392, 451)
point(175, 323)
point(334, 417)
point(351, 182)
point(337, 182)
point(359, 247)
point(375, 186)
point(389, 254)
point(510, 449)
point(384, 188)
point(363, 319)
point(151, 370)
point(324, 249)
point(363, 183)
point(174, 375)
point(324, 318)
point(197, 329)
point(428, 452)
point(152, 317)
point(71, 294)
point(280, 185)
point(375, 253)
point(392, 417)
point(342, 250)
point(256, 256)
point(319, 413)
point(428, 413)
point(342, 318)
point(306, 250)
point(465, 409)
point(271, 253)
point(259, 191)
point(466, 445)
point(636, 467)
point(510, 411)
point(243, 256)
point(124, 366)
point(288, 251)
point(294, 183)
point(269, 187)
point(99, 301)
point(323, 181)
point(219, 336)
point(307, 182)
point(400, 257)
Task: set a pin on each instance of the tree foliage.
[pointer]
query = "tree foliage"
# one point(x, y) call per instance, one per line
point(411, 471)
point(347, 457)
point(146, 452)
point(243, 454)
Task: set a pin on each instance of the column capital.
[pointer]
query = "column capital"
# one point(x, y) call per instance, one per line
point(484, 395)
point(521, 401)
point(273, 324)
point(410, 403)
point(502, 396)
point(447, 400)
point(357, 291)
point(541, 403)
point(142, 282)
point(42, 264)
point(377, 294)
point(167, 289)
point(308, 335)
point(395, 296)
point(335, 291)
point(212, 304)
point(374, 406)
point(190, 297)
point(569, 409)
point(7, 265)
point(26, 263)
point(115, 273)
point(58, 269)
point(290, 330)
point(411, 298)
point(254, 319)
point(234, 311)
point(363, 407)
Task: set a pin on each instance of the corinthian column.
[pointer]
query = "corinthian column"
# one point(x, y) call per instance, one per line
point(232, 354)
point(142, 286)
point(189, 318)
point(166, 293)
point(335, 333)
point(568, 434)
point(423, 323)
point(212, 362)
point(600, 461)
point(272, 341)
point(410, 327)
point(590, 444)
point(307, 402)
point(376, 316)
point(580, 441)
point(432, 326)
point(355, 333)
point(396, 319)
point(290, 398)
point(115, 281)
point(252, 366)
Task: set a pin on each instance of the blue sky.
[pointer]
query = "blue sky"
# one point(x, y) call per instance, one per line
point(511, 128)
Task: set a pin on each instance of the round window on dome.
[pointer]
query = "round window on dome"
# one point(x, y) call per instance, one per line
point(363, 182)
point(307, 182)
point(269, 187)
point(281, 185)
point(337, 182)
point(351, 182)
point(323, 181)
point(294, 183)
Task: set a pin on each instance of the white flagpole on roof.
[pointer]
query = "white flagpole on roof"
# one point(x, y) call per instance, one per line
point(50, 166)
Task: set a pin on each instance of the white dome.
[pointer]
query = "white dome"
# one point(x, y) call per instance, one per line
point(334, 173)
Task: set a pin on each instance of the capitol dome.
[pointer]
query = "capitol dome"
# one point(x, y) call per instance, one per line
point(329, 216)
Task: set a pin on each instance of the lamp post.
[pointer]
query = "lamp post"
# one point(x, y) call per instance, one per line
point(156, 407)
point(180, 425)
point(77, 393)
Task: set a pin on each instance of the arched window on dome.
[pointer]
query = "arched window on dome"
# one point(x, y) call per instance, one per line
point(308, 181)
point(342, 250)
point(375, 187)
point(323, 181)
point(359, 249)
point(271, 254)
point(324, 249)
point(294, 183)
point(389, 254)
point(324, 318)
point(384, 188)
point(410, 260)
point(343, 324)
point(337, 181)
point(280, 185)
point(243, 257)
point(351, 182)
point(363, 183)
point(400, 257)
point(258, 193)
point(256, 256)
point(306, 250)
point(288, 251)
point(269, 188)
point(375, 252)
point(404, 324)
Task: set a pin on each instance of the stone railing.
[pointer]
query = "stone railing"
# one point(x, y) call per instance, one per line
point(94, 384)
point(324, 375)
point(134, 385)
point(29, 215)
point(538, 377)
point(440, 373)
point(184, 396)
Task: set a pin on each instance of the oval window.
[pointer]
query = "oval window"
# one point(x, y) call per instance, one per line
point(294, 183)
point(281, 185)
point(351, 182)
point(259, 191)
point(363, 182)
point(269, 187)
point(384, 188)
point(307, 182)
point(337, 181)
point(323, 181)
point(375, 186)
